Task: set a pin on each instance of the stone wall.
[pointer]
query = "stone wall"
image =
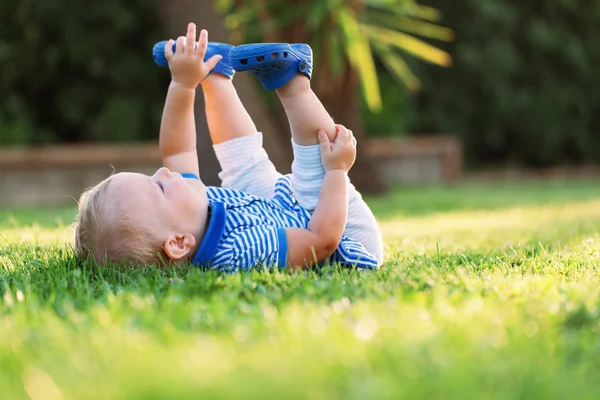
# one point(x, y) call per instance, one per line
point(418, 160)
point(58, 175)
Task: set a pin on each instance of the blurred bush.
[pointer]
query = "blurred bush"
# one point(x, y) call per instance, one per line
point(72, 71)
point(524, 87)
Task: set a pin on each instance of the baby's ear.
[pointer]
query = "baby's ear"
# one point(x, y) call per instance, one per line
point(179, 245)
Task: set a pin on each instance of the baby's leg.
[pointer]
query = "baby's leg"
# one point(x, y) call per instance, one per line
point(361, 224)
point(244, 162)
point(305, 112)
point(307, 116)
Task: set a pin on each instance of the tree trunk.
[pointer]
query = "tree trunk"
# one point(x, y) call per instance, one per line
point(176, 14)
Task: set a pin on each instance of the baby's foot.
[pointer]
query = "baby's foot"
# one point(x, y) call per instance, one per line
point(274, 64)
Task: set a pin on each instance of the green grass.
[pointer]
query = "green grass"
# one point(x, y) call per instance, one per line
point(487, 293)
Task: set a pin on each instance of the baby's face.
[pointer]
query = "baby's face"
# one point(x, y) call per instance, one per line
point(165, 202)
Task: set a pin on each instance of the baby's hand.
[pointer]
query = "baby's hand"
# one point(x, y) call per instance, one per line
point(341, 154)
point(187, 64)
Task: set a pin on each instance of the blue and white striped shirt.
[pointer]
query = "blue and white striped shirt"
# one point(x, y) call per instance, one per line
point(246, 231)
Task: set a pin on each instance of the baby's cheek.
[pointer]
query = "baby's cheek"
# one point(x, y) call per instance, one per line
point(187, 198)
point(178, 191)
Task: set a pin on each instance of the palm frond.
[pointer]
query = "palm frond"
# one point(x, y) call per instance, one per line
point(317, 15)
point(360, 56)
point(405, 8)
point(409, 25)
point(350, 32)
point(409, 44)
point(397, 67)
point(335, 52)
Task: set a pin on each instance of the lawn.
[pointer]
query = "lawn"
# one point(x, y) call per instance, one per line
point(487, 293)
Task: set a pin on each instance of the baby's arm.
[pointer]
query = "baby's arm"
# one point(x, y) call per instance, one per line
point(325, 229)
point(177, 141)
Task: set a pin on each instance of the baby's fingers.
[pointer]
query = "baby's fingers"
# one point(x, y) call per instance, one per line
point(342, 134)
point(202, 44)
point(212, 62)
point(180, 48)
point(324, 142)
point(169, 50)
point(351, 138)
point(190, 39)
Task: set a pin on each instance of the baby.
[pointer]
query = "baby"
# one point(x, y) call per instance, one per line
point(258, 216)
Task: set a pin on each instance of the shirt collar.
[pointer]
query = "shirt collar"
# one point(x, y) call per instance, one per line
point(212, 236)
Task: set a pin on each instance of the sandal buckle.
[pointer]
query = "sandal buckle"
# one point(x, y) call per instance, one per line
point(302, 66)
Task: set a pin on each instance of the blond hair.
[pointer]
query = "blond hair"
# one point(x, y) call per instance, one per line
point(106, 233)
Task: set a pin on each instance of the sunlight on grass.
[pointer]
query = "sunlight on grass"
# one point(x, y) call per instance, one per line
point(458, 231)
point(495, 302)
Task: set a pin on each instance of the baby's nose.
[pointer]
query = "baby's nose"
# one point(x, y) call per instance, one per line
point(164, 172)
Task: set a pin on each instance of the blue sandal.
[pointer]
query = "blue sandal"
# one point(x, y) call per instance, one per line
point(223, 67)
point(274, 64)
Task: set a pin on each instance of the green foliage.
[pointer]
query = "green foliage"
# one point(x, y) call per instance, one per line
point(391, 120)
point(524, 86)
point(75, 73)
point(348, 31)
point(495, 298)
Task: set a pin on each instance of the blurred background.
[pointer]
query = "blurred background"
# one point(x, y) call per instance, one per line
point(436, 91)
